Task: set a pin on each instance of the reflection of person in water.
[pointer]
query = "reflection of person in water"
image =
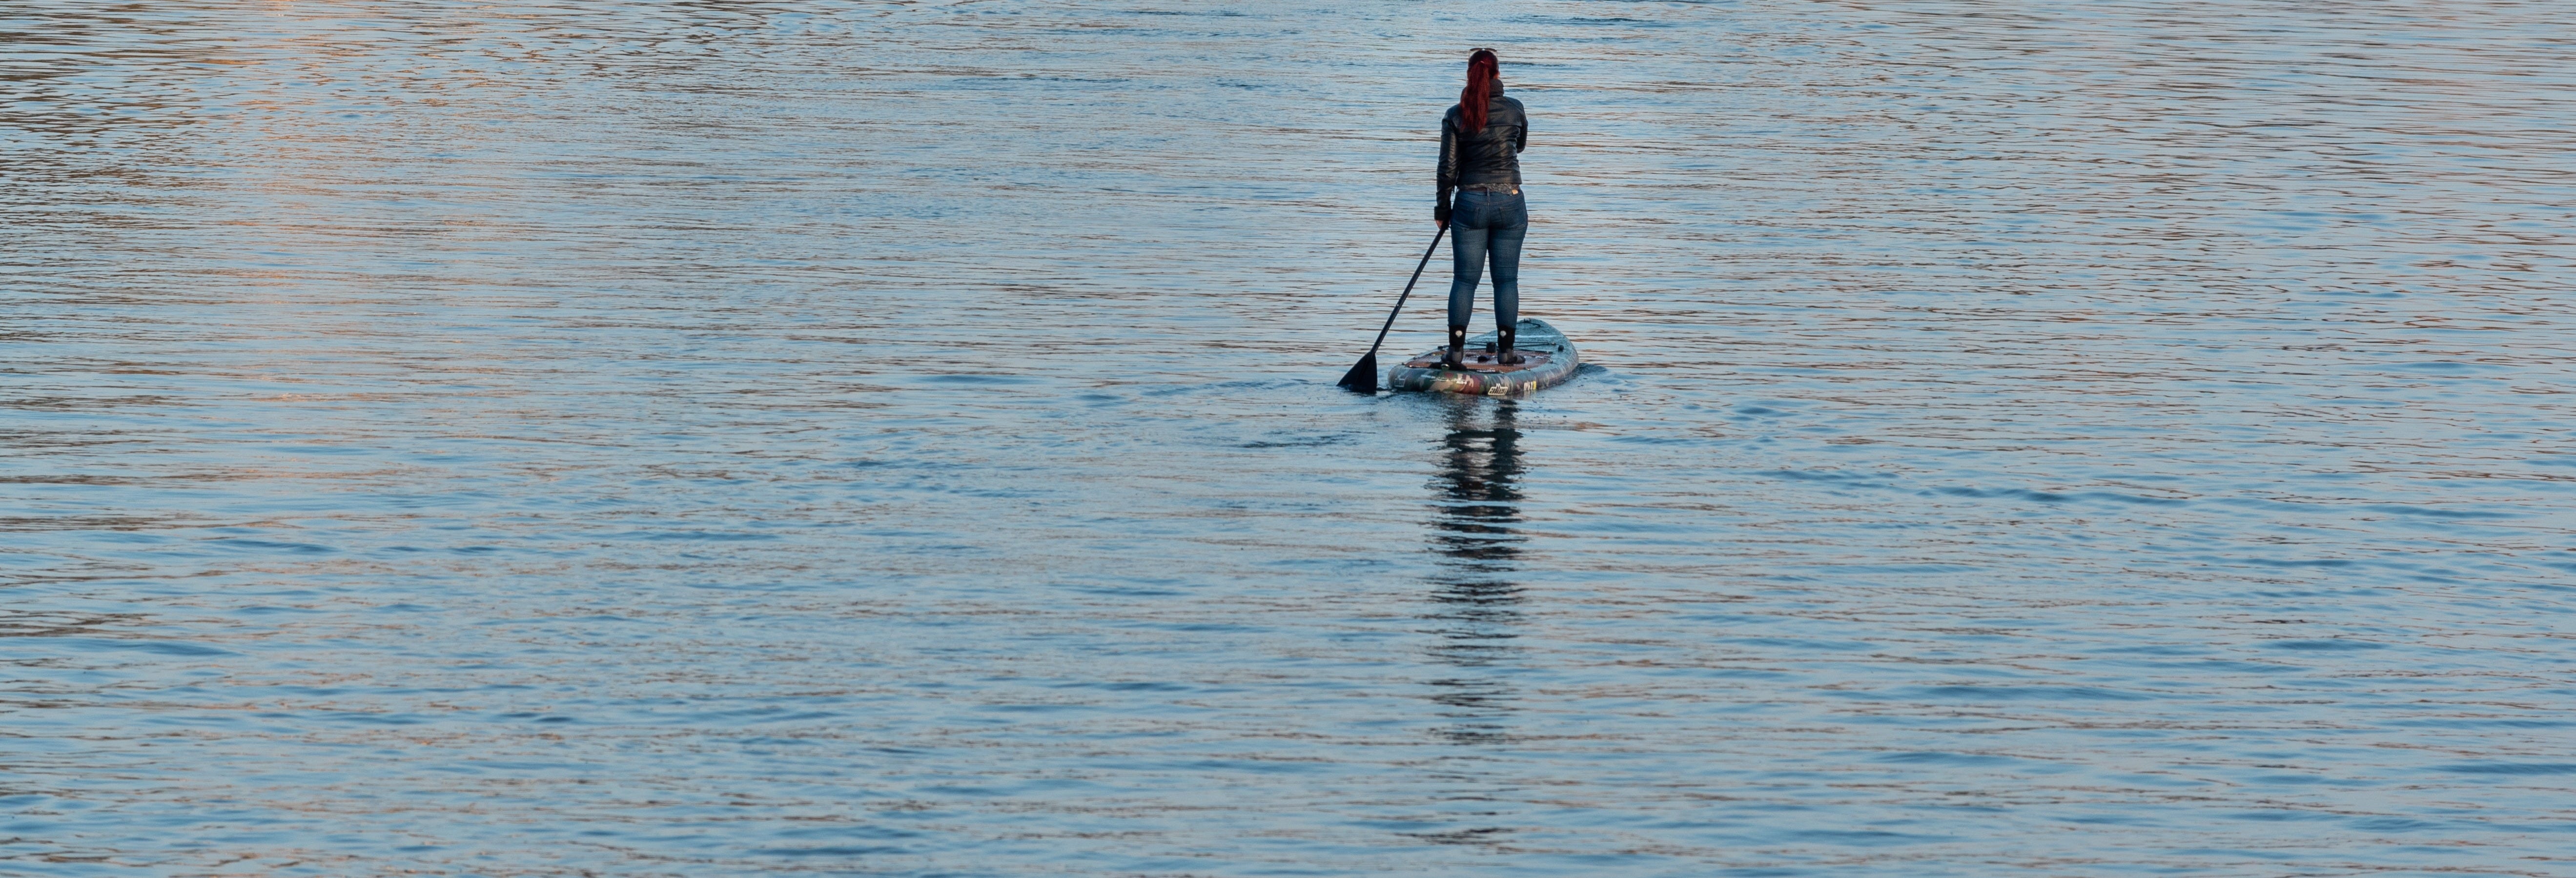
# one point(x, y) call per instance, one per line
point(1473, 532)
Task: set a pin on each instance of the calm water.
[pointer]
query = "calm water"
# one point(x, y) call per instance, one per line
point(898, 438)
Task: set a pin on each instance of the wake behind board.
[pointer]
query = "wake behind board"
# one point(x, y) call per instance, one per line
point(1550, 358)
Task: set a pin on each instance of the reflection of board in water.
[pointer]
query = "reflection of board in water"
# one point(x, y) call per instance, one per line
point(1550, 357)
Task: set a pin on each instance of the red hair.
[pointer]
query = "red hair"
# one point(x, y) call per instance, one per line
point(1484, 71)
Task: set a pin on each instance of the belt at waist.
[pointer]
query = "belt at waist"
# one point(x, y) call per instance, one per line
point(1504, 188)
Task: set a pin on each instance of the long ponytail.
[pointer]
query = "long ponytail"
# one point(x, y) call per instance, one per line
point(1484, 72)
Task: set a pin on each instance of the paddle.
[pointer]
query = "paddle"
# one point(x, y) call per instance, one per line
point(1362, 378)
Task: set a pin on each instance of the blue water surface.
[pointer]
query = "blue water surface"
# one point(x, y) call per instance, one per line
point(898, 438)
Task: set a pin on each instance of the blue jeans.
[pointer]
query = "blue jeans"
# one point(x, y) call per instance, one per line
point(1481, 223)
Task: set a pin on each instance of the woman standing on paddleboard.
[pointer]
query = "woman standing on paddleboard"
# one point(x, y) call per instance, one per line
point(1480, 145)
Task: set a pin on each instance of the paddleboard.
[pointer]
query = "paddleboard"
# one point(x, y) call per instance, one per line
point(1550, 360)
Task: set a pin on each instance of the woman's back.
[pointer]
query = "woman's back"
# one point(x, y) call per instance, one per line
point(1487, 157)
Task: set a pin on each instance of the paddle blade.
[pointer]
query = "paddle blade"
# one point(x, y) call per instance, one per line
point(1362, 378)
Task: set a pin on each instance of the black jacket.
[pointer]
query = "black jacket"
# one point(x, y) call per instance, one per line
point(1488, 156)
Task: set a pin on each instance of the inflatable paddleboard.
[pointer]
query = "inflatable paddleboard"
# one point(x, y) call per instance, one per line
point(1550, 360)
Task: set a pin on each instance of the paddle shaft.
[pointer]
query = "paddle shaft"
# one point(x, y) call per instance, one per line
point(1408, 289)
